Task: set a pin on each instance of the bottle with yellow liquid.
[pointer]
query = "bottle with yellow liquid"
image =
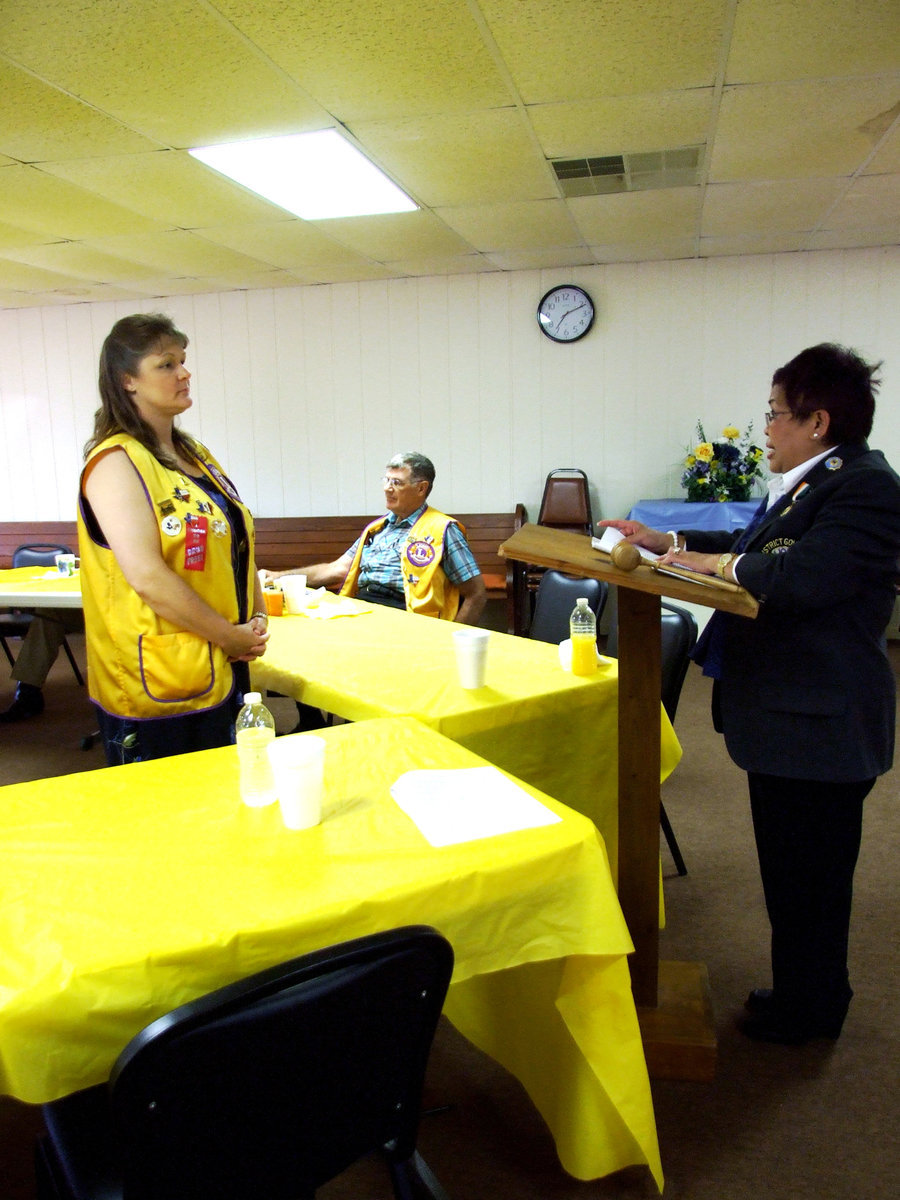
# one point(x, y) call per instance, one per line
point(583, 632)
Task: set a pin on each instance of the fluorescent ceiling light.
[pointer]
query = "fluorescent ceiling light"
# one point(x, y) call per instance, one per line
point(314, 175)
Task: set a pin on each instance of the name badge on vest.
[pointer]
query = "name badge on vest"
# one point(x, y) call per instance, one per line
point(195, 544)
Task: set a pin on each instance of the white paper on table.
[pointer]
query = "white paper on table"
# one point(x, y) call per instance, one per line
point(341, 606)
point(611, 537)
point(466, 804)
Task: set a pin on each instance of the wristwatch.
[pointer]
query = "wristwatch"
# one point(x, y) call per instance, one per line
point(723, 563)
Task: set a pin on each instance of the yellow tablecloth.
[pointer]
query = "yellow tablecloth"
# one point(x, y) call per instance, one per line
point(533, 719)
point(38, 587)
point(128, 891)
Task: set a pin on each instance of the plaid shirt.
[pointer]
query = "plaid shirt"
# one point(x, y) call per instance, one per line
point(381, 557)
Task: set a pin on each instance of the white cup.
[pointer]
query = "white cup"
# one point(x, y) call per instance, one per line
point(66, 564)
point(470, 646)
point(298, 767)
point(294, 588)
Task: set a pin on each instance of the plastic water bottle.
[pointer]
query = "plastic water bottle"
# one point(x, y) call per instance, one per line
point(583, 632)
point(254, 730)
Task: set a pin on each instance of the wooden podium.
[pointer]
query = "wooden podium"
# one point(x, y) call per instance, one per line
point(672, 998)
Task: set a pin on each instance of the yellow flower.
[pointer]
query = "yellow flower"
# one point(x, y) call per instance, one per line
point(690, 460)
point(704, 451)
point(730, 432)
point(703, 481)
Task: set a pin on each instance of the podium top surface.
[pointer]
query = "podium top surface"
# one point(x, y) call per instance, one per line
point(574, 554)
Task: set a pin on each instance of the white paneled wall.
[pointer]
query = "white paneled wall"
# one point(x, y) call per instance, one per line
point(304, 393)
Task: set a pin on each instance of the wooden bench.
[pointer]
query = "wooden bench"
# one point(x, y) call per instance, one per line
point(284, 542)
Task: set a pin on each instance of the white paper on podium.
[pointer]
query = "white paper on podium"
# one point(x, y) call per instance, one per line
point(611, 537)
point(464, 805)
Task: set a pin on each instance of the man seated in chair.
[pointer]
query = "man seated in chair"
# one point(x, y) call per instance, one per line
point(412, 557)
point(40, 646)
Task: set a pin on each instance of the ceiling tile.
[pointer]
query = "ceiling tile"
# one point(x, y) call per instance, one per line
point(38, 201)
point(168, 186)
point(870, 202)
point(785, 131)
point(734, 209)
point(383, 59)
point(539, 259)
point(797, 39)
point(474, 158)
point(526, 224)
point(180, 252)
point(450, 264)
point(653, 249)
point(623, 124)
point(637, 216)
point(887, 156)
point(765, 243)
point(50, 124)
point(290, 244)
point(208, 83)
point(395, 235)
point(81, 262)
point(578, 49)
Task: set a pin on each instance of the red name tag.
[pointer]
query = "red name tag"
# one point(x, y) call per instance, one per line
point(195, 544)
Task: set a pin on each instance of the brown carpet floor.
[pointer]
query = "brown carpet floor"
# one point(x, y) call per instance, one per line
point(810, 1123)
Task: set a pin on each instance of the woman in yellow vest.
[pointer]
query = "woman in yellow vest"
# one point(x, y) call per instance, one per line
point(173, 607)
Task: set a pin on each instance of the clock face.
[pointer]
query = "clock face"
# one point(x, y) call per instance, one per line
point(566, 313)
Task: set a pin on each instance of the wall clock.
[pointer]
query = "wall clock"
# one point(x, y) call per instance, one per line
point(565, 313)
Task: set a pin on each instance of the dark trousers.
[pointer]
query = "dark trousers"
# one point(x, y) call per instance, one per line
point(807, 837)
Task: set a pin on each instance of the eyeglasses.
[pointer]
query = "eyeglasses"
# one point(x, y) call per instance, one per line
point(771, 413)
point(390, 483)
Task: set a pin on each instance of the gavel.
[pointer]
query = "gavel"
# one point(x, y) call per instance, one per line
point(625, 555)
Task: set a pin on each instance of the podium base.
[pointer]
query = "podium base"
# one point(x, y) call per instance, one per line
point(679, 1034)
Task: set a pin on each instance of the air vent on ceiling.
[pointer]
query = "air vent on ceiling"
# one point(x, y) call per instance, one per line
point(602, 174)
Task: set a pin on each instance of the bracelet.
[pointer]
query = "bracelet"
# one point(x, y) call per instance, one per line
point(675, 544)
point(265, 616)
point(723, 563)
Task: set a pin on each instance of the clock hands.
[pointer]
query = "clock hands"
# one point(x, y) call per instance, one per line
point(569, 312)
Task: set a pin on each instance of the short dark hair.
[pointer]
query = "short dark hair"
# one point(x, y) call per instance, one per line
point(420, 467)
point(838, 381)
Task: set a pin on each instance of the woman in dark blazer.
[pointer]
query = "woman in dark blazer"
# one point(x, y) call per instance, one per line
point(805, 694)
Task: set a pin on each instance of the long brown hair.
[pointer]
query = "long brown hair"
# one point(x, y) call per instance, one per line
point(130, 340)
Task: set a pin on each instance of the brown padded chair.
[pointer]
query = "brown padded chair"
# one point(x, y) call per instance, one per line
point(566, 505)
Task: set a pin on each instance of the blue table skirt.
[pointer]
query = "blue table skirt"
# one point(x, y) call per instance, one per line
point(678, 514)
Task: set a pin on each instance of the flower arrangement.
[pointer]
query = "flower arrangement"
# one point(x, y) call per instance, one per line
point(723, 470)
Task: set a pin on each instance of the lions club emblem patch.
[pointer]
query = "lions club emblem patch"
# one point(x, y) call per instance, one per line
point(420, 554)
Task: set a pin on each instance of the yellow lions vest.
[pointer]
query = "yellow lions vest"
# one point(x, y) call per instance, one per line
point(427, 589)
point(139, 664)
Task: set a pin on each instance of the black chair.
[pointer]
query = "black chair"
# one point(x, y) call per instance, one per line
point(556, 597)
point(268, 1087)
point(679, 636)
point(15, 624)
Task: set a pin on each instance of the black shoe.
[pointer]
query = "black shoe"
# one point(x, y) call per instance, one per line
point(783, 1030)
point(28, 702)
point(760, 1000)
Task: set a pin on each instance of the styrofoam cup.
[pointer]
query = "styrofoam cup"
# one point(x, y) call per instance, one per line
point(294, 588)
point(298, 767)
point(470, 646)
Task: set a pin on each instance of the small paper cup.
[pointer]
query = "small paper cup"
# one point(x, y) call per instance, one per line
point(66, 564)
point(294, 589)
point(470, 647)
point(298, 767)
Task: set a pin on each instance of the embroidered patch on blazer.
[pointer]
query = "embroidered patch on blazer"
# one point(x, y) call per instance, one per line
point(778, 546)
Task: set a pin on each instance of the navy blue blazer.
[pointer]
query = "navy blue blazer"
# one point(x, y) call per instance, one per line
point(807, 691)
